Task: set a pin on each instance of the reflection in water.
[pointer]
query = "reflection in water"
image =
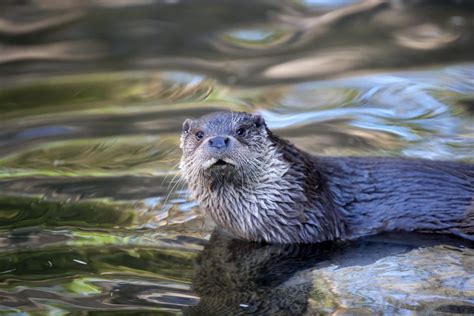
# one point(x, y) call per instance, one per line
point(425, 36)
point(70, 270)
point(92, 97)
point(93, 278)
point(238, 277)
point(65, 51)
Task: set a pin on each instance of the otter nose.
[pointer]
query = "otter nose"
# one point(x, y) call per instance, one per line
point(219, 142)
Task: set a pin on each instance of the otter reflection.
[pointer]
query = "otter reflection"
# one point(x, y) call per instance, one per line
point(234, 276)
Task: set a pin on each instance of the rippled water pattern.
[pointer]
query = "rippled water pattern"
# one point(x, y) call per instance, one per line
point(93, 216)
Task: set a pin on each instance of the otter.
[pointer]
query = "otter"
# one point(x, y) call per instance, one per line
point(262, 188)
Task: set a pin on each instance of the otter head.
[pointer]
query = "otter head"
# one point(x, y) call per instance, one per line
point(223, 147)
point(251, 182)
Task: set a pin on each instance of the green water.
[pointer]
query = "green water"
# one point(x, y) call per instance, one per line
point(93, 215)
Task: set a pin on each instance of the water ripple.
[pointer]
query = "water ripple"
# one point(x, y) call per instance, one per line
point(93, 214)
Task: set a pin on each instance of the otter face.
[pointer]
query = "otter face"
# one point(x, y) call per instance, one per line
point(223, 146)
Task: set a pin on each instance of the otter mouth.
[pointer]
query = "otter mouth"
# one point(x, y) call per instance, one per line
point(218, 163)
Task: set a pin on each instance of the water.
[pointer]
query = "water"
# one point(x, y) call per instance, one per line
point(92, 98)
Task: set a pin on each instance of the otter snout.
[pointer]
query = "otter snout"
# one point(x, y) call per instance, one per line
point(219, 142)
point(218, 148)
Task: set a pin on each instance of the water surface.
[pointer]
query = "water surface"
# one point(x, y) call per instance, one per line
point(93, 216)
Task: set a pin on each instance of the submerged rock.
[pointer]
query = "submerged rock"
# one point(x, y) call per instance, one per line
point(425, 280)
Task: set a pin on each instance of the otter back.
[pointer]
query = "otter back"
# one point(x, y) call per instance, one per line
point(387, 194)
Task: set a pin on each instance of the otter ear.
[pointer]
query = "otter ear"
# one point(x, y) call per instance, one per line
point(187, 126)
point(258, 120)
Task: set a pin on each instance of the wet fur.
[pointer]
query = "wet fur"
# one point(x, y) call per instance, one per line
point(280, 194)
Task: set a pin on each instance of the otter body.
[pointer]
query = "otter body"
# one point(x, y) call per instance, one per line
point(262, 188)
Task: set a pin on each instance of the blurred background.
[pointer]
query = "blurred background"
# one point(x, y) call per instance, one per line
point(93, 93)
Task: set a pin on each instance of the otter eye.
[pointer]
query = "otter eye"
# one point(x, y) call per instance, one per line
point(199, 135)
point(240, 131)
